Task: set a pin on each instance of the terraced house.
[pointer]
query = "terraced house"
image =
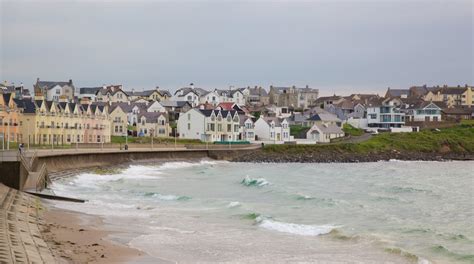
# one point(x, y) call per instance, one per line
point(9, 120)
point(51, 123)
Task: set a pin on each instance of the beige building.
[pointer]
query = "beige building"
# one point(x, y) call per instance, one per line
point(150, 95)
point(48, 122)
point(118, 117)
point(112, 93)
point(153, 124)
point(452, 96)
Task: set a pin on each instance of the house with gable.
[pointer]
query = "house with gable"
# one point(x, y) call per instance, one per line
point(209, 125)
point(272, 129)
point(54, 90)
point(153, 124)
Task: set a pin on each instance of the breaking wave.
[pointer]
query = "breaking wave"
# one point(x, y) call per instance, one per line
point(259, 182)
point(183, 164)
point(233, 204)
point(296, 229)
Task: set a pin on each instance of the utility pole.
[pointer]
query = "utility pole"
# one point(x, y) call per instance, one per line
point(28, 129)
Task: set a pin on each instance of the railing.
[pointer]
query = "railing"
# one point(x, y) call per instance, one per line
point(42, 178)
point(32, 159)
point(23, 161)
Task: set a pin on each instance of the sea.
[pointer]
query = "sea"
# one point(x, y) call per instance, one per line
point(210, 211)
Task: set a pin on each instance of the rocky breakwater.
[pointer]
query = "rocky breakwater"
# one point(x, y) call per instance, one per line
point(328, 155)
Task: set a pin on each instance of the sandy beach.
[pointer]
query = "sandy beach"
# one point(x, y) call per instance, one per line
point(78, 238)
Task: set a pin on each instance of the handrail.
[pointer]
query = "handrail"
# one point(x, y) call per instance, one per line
point(41, 180)
point(32, 159)
point(23, 161)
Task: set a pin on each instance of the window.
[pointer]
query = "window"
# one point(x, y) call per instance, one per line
point(161, 131)
point(98, 138)
point(229, 127)
point(219, 127)
point(189, 117)
point(236, 128)
point(116, 129)
point(189, 126)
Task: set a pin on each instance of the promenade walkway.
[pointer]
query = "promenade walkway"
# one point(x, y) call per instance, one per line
point(20, 238)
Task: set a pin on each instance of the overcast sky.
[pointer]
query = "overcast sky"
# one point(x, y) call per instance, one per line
point(336, 46)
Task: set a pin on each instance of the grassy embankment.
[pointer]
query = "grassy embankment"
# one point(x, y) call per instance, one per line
point(160, 140)
point(459, 139)
point(352, 131)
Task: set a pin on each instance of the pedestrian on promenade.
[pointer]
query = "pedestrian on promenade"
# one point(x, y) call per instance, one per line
point(20, 148)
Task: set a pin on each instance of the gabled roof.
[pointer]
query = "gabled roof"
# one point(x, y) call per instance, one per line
point(258, 91)
point(150, 117)
point(328, 129)
point(51, 84)
point(224, 113)
point(226, 105)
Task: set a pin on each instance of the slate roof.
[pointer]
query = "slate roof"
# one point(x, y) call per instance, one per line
point(328, 129)
point(177, 104)
point(150, 117)
point(324, 117)
point(28, 106)
point(89, 90)
point(258, 91)
point(51, 84)
point(396, 92)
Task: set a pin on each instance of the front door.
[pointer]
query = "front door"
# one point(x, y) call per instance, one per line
point(278, 137)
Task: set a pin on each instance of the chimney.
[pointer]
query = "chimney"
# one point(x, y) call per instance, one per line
point(192, 85)
point(37, 79)
point(70, 82)
point(307, 86)
point(424, 85)
point(157, 88)
point(133, 90)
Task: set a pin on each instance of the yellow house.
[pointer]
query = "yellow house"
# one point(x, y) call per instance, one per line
point(451, 96)
point(467, 98)
point(9, 120)
point(150, 95)
point(118, 117)
point(112, 94)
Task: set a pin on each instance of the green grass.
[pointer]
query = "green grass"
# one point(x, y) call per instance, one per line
point(295, 130)
point(160, 140)
point(458, 139)
point(352, 131)
point(467, 122)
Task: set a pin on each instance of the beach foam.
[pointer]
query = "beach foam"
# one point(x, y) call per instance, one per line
point(296, 229)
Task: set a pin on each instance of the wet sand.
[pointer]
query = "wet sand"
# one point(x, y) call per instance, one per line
point(80, 238)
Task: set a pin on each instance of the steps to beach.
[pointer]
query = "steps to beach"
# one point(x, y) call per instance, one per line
point(20, 237)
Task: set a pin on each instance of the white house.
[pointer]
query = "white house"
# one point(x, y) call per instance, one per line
point(209, 125)
point(422, 111)
point(88, 92)
point(210, 98)
point(190, 94)
point(386, 114)
point(247, 128)
point(53, 91)
point(323, 132)
point(272, 129)
point(156, 107)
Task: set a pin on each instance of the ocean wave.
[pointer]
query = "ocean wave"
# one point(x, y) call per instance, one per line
point(402, 189)
point(296, 229)
point(167, 197)
point(183, 164)
point(233, 204)
point(259, 182)
point(449, 253)
point(303, 197)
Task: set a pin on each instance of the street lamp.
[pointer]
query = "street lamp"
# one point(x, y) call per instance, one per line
point(8, 129)
point(28, 129)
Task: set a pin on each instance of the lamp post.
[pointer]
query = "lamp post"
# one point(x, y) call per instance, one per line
point(28, 129)
point(151, 134)
point(8, 129)
point(175, 130)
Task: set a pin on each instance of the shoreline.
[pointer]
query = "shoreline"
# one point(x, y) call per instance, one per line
point(75, 237)
point(345, 157)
